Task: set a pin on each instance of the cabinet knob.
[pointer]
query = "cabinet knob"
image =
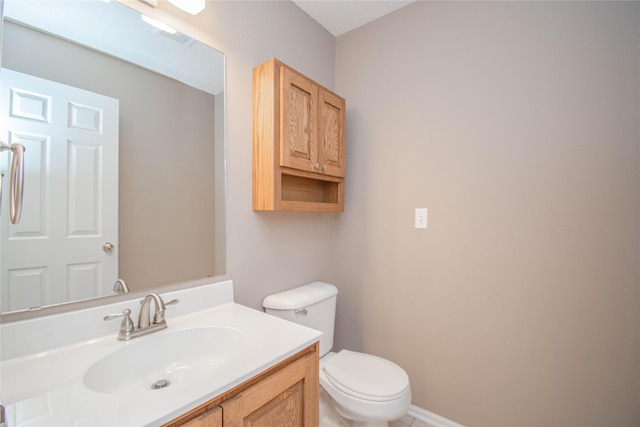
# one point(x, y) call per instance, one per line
point(316, 166)
point(323, 168)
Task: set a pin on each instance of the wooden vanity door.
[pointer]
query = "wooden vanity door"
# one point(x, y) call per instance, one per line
point(286, 398)
point(298, 121)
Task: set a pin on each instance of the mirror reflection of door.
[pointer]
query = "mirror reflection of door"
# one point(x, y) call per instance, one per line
point(70, 208)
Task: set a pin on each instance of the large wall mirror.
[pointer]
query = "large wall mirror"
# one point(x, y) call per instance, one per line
point(122, 122)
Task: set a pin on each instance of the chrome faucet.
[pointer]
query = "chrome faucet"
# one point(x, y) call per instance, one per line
point(145, 326)
point(144, 321)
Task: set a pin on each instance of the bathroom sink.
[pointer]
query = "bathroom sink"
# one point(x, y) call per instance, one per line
point(165, 360)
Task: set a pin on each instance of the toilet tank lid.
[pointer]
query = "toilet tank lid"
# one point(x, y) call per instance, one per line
point(302, 296)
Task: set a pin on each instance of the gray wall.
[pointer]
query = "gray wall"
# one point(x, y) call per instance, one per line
point(518, 125)
point(267, 251)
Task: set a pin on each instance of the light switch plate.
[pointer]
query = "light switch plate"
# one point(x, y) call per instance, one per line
point(421, 217)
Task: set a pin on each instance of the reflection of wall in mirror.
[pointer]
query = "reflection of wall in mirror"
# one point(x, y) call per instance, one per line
point(166, 155)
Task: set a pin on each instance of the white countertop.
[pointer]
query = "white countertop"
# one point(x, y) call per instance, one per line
point(47, 388)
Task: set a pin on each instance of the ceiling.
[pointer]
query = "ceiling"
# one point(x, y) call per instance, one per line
point(342, 16)
point(116, 30)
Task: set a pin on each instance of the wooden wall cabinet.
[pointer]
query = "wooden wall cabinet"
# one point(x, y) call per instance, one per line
point(298, 142)
point(286, 395)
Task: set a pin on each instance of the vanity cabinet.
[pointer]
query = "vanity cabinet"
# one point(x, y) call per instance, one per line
point(298, 142)
point(211, 418)
point(286, 395)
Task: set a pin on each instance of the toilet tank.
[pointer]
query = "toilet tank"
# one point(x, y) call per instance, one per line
point(312, 305)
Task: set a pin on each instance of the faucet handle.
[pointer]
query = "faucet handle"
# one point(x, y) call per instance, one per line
point(125, 313)
point(159, 316)
point(126, 327)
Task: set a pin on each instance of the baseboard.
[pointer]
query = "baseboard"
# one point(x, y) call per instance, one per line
point(429, 418)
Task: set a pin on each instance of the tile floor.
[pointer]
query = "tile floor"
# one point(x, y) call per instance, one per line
point(329, 418)
point(405, 421)
point(408, 421)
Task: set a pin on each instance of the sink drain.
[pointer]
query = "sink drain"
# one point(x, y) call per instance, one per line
point(160, 384)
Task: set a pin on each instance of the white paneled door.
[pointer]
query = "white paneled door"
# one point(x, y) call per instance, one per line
point(70, 211)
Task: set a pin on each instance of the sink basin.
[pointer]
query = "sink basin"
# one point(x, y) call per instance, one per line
point(165, 360)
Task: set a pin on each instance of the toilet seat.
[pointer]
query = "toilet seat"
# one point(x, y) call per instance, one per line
point(366, 377)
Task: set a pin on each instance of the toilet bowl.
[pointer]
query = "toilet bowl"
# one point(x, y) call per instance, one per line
point(367, 390)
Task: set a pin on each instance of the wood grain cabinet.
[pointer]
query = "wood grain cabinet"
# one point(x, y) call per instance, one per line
point(298, 142)
point(286, 395)
point(211, 418)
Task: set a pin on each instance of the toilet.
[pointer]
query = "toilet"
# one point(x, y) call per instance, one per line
point(367, 390)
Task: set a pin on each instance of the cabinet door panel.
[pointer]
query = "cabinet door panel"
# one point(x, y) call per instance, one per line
point(285, 410)
point(331, 134)
point(287, 398)
point(298, 138)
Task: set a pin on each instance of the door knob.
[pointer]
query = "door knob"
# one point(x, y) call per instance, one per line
point(108, 247)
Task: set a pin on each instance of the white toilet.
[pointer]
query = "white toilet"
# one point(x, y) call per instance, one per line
point(367, 390)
